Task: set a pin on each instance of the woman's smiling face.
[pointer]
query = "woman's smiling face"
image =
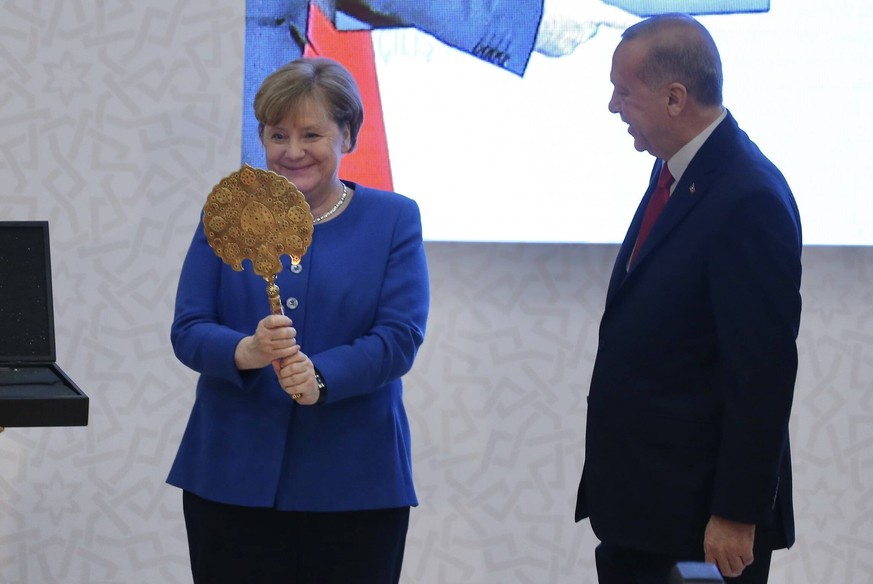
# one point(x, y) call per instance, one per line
point(306, 147)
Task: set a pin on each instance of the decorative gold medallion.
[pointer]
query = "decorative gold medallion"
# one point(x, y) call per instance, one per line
point(258, 215)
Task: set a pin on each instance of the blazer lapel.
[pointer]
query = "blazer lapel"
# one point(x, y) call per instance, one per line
point(619, 269)
point(688, 192)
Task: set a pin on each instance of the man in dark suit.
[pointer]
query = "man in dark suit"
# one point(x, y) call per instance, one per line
point(686, 454)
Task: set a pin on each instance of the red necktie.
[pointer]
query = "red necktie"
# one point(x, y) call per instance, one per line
point(653, 209)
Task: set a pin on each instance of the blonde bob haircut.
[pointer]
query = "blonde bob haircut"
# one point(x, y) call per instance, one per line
point(320, 79)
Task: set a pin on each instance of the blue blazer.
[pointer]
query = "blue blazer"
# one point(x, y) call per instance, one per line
point(361, 306)
point(694, 374)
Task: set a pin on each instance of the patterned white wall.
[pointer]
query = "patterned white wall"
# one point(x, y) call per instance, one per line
point(117, 118)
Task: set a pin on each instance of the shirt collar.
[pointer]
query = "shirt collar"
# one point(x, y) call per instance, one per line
point(680, 161)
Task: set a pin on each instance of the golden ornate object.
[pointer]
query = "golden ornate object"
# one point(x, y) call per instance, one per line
point(258, 215)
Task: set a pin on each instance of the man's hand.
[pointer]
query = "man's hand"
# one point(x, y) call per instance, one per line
point(728, 545)
point(566, 24)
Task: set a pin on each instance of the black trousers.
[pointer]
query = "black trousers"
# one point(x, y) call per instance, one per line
point(230, 544)
point(616, 565)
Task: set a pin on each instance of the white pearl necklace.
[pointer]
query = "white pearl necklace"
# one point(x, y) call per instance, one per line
point(333, 209)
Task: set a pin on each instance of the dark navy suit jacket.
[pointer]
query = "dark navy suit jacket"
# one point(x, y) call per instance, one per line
point(694, 374)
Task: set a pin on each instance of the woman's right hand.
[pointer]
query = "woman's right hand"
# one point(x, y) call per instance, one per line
point(273, 339)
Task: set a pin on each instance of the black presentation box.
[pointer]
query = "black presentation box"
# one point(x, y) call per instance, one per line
point(34, 391)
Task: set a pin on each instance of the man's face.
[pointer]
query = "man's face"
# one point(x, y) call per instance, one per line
point(643, 109)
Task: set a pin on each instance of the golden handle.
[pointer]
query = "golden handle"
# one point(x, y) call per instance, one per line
point(273, 295)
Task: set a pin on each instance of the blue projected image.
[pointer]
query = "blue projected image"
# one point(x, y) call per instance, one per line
point(693, 7)
point(497, 123)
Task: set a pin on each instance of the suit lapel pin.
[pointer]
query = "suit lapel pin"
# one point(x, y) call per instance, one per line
point(692, 189)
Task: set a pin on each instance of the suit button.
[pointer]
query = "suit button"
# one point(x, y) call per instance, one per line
point(291, 303)
point(296, 268)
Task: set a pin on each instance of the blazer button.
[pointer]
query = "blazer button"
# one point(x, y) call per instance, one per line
point(291, 303)
point(296, 268)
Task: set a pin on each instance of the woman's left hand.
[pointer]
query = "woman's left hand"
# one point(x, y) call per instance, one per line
point(296, 375)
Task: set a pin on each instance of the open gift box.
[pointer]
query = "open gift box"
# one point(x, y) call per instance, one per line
point(34, 391)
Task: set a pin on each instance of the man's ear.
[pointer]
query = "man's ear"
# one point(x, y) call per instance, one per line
point(677, 98)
